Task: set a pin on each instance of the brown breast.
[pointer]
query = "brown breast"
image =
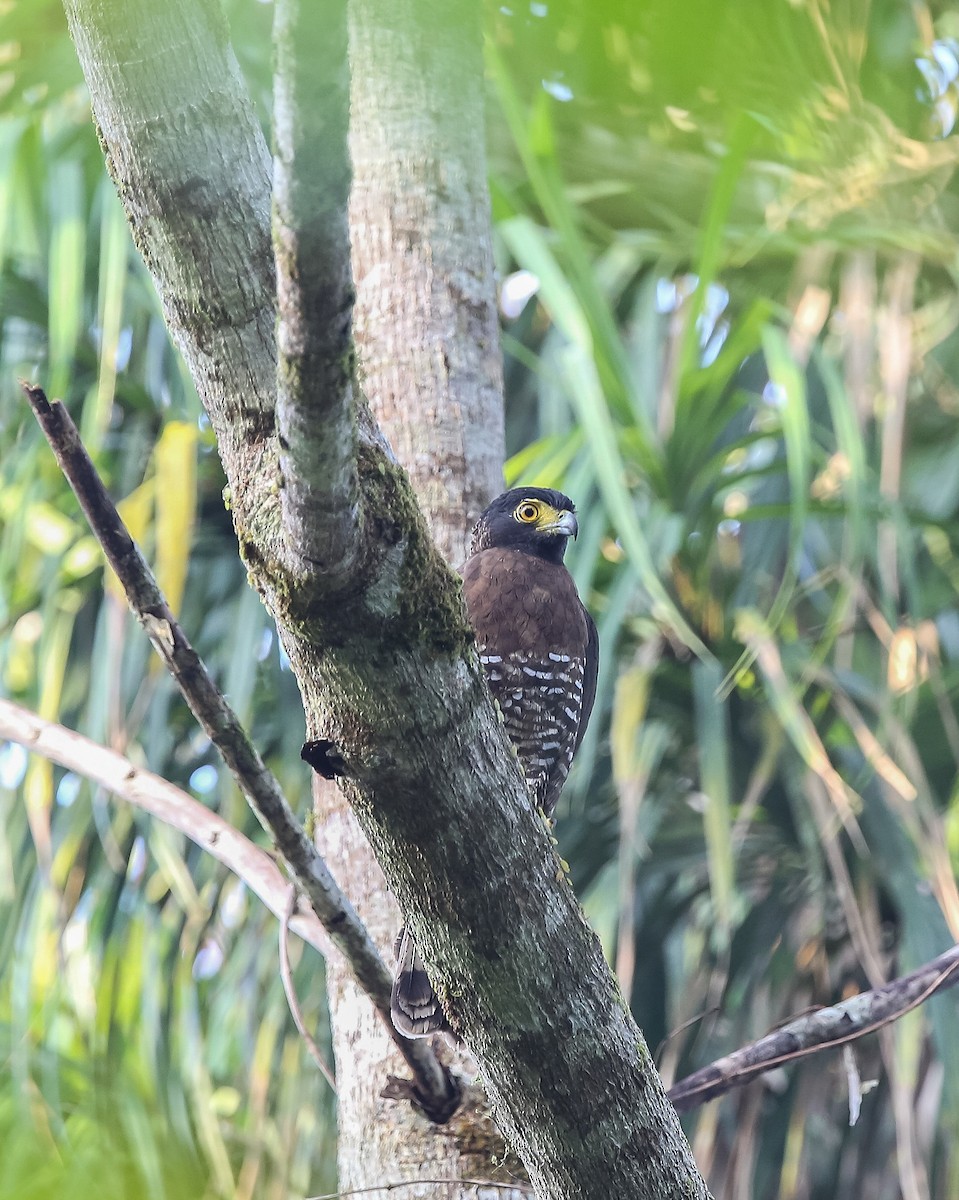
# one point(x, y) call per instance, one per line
point(519, 603)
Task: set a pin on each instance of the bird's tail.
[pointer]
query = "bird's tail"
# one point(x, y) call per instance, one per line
point(414, 1006)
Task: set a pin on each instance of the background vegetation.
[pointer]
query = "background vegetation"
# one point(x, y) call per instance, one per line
point(728, 252)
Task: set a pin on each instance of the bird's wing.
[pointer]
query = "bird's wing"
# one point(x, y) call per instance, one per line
point(590, 674)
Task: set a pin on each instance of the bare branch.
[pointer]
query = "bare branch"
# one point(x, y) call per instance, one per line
point(168, 804)
point(221, 725)
point(311, 242)
point(821, 1030)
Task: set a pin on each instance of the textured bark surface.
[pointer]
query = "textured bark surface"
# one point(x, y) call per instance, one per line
point(385, 660)
point(314, 284)
point(425, 319)
point(427, 345)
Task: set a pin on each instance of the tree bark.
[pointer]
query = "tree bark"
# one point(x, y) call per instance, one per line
point(389, 676)
point(311, 188)
point(426, 326)
point(427, 348)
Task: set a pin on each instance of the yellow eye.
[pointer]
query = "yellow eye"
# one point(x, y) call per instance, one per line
point(527, 512)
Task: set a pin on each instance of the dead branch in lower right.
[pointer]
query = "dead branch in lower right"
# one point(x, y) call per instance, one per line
point(823, 1029)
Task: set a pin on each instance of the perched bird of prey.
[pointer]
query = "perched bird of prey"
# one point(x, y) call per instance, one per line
point(540, 651)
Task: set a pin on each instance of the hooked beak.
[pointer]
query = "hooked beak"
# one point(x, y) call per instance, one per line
point(565, 524)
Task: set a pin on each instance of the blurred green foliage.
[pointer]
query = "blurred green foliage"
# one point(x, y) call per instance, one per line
point(727, 244)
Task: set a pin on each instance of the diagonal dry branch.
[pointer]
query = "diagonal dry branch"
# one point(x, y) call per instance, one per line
point(221, 725)
point(823, 1029)
point(167, 803)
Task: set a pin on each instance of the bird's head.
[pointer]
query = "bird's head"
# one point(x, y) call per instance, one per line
point(534, 520)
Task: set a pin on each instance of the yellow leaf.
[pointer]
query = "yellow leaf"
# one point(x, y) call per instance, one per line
point(629, 710)
point(38, 783)
point(902, 672)
point(175, 507)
